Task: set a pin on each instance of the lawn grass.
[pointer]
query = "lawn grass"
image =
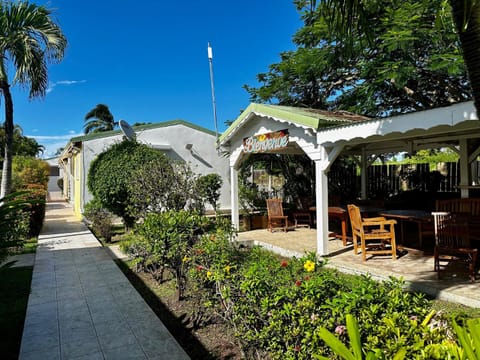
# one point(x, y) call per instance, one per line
point(14, 291)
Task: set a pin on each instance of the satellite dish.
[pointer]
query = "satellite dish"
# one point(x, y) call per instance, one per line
point(127, 130)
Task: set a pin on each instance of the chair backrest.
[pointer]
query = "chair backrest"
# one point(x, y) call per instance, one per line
point(451, 230)
point(303, 203)
point(274, 207)
point(355, 217)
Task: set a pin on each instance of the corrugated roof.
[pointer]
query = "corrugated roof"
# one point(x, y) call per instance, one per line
point(305, 117)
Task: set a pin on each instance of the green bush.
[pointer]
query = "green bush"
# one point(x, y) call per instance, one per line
point(14, 223)
point(110, 173)
point(160, 185)
point(100, 218)
point(209, 189)
point(278, 307)
point(163, 242)
point(36, 196)
point(29, 170)
point(282, 308)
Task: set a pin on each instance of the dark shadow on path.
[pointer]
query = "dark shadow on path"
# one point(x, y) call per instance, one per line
point(183, 335)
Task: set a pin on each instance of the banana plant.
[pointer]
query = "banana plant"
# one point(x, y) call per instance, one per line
point(469, 338)
point(355, 353)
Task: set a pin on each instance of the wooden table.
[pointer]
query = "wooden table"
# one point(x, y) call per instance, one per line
point(420, 217)
point(337, 213)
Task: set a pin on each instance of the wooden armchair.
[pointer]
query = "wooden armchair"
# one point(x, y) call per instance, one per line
point(452, 241)
point(302, 216)
point(276, 219)
point(375, 236)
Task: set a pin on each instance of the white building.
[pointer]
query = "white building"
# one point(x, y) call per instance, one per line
point(179, 140)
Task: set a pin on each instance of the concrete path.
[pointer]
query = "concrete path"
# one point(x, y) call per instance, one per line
point(81, 305)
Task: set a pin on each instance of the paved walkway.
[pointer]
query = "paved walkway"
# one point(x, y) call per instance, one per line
point(81, 305)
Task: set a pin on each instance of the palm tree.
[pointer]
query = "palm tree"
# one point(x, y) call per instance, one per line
point(99, 119)
point(343, 14)
point(29, 40)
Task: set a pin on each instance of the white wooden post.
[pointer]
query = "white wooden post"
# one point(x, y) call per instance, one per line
point(321, 183)
point(464, 169)
point(234, 197)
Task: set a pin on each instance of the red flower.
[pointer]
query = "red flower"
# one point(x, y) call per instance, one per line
point(284, 263)
point(307, 278)
point(298, 282)
point(199, 267)
point(297, 348)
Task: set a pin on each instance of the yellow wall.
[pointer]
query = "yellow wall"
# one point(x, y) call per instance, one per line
point(77, 189)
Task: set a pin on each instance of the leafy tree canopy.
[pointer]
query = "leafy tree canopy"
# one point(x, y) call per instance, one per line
point(22, 145)
point(162, 184)
point(410, 60)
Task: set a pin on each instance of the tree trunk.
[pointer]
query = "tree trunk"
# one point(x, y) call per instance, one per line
point(470, 41)
point(7, 160)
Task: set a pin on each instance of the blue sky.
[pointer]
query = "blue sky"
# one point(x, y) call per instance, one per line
point(148, 62)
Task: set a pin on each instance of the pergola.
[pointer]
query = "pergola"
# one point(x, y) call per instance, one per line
point(323, 136)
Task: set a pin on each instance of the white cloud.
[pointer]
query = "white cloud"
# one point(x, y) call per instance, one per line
point(56, 137)
point(52, 86)
point(54, 142)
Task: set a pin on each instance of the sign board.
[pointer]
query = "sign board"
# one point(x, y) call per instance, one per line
point(269, 142)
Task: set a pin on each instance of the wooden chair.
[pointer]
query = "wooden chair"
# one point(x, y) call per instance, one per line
point(302, 216)
point(452, 242)
point(375, 236)
point(276, 219)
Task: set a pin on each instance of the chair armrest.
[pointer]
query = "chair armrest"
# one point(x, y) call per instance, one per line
point(378, 218)
point(278, 216)
point(377, 223)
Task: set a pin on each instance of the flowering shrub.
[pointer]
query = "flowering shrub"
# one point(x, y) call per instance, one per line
point(163, 240)
point(277, 306)
point(282, 308)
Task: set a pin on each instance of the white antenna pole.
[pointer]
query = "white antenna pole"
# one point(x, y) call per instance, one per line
point(210, 60)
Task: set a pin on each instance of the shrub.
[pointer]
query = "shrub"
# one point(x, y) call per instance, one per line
point(160, 185)
point(36, 197)
point(100, 218)
point(110, 173)
point(278, 306)
point(29, 170)
point(212, 265)
point(163, 241)
point(14, 222)
point(209, 188)
point(281, 308)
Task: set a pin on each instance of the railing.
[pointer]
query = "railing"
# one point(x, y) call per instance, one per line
point(388, 180)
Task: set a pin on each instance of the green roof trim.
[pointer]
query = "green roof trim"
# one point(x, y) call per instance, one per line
point(312, 118)
point(105, 134)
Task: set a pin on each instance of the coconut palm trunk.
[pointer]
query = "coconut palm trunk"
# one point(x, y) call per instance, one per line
point(468, 28)
point(8, 153)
